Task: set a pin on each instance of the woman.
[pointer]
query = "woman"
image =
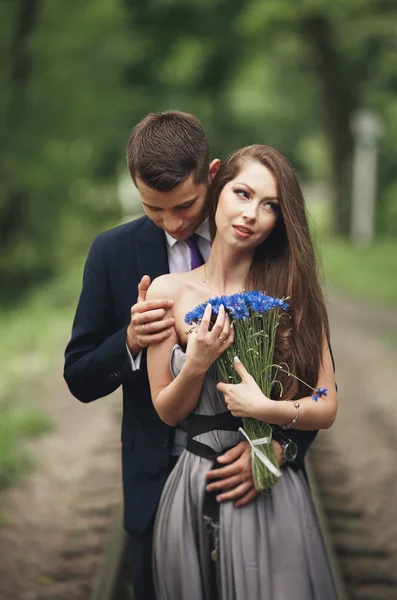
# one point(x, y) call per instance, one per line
point(270, 549)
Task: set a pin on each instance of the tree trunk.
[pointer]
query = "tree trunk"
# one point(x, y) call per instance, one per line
point(14, 200)
point(339, 101)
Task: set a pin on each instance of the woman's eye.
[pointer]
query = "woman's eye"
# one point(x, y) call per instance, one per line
point(242, 193)
point(273, 206)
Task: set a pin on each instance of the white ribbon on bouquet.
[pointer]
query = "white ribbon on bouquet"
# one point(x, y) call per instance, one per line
point(259, 454)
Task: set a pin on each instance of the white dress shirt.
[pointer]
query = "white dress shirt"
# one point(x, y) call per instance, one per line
point(179, 262)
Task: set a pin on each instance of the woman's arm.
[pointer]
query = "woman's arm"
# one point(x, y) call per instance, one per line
point(246, 400)
point(175, 399)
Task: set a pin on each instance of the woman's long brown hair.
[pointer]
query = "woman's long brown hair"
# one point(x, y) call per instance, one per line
point(284, 265)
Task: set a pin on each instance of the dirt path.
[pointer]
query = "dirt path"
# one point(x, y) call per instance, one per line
point(50, 511)
point(78, 463)
point(365, 432)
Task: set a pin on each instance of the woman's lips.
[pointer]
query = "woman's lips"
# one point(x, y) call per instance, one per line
point(242, 232)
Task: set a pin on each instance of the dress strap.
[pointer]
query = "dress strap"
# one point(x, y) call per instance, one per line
point(225, 421)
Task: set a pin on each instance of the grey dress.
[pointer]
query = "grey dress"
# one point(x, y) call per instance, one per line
point(271, 549)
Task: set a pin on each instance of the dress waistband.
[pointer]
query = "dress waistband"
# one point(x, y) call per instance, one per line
point(198, 424)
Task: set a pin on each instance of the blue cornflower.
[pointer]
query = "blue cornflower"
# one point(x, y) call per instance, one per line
point(261, 303)
point(195, 315)
point(238, 308)
point(278, 303)
point(319, 393)
point(256, 301)
point(215, 303)
point(232, 300)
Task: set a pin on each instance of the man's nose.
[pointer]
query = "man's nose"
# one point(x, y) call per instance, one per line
point(173, 223)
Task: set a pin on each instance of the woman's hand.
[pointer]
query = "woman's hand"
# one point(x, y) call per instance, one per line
point(244, 399)
point(204, 347)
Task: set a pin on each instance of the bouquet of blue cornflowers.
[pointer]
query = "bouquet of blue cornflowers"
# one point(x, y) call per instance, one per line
point(255, 319)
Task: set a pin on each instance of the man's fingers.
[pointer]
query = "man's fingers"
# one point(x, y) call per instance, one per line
point(236, 468)
point(147, 305)
point(149, 316)
point(236, 493)
point(249, 497)
point(233, 453)
point(224, 472)
point(143, 287)
point(225, 484)
point(150, 328)
point(147, 340)
point(279, 452)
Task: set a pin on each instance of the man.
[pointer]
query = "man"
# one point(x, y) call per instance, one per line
point(168, 158)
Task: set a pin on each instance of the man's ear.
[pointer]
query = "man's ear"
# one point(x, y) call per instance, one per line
point(214, 166)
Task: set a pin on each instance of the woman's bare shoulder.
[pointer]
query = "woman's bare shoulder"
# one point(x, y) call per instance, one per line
point(166, 286)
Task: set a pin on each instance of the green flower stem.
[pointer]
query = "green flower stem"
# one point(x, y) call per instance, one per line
point(254, 344)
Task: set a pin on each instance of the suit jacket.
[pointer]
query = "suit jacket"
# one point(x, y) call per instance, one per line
point(97, 361)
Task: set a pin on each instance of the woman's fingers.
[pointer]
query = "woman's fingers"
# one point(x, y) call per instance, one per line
point(219, 323)
point(205, 321)
point(226, 328)
point(221, 333)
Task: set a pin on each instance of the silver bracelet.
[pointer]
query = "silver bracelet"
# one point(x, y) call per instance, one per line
point(294, 420)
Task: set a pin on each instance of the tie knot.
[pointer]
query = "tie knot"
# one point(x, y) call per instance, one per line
point(192, 241)
point(196, 259)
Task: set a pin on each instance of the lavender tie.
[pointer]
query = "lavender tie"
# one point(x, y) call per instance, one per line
point(196, 258)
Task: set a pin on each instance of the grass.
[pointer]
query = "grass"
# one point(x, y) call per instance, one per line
point(31, 335)
point(17, 424)
point(369, 274)
point(363, 273)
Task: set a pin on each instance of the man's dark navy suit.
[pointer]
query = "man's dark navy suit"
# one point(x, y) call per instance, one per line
point(97, 362)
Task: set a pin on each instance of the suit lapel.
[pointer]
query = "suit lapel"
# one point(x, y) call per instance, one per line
point(152, 251)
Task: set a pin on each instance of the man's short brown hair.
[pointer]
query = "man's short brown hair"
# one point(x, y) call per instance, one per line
point(165, 148)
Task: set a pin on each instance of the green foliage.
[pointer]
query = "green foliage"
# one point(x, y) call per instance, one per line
point(52, 147)
point(362, 273)
point(34, 333)
point(367, 274)
point(389, 212)
point(75, 77)
point(17, 424)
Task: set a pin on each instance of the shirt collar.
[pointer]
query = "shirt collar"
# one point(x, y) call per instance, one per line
point(203, 231)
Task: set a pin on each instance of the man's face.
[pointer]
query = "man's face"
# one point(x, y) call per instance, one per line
point(180, 211)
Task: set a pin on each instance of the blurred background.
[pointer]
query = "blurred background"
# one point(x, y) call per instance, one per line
point(315, 79)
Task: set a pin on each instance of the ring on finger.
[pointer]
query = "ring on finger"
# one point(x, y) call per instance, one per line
point(143, 328)
point(223, 339)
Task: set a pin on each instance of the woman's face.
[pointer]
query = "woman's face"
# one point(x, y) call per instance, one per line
point(248, 207)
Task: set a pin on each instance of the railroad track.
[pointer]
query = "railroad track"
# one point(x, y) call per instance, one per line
point(95, 565)
point(90, 564)
point(363, 569)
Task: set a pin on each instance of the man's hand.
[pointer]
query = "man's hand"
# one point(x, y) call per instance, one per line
point(279, 452)
point(147, 325)
point(236, 476)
